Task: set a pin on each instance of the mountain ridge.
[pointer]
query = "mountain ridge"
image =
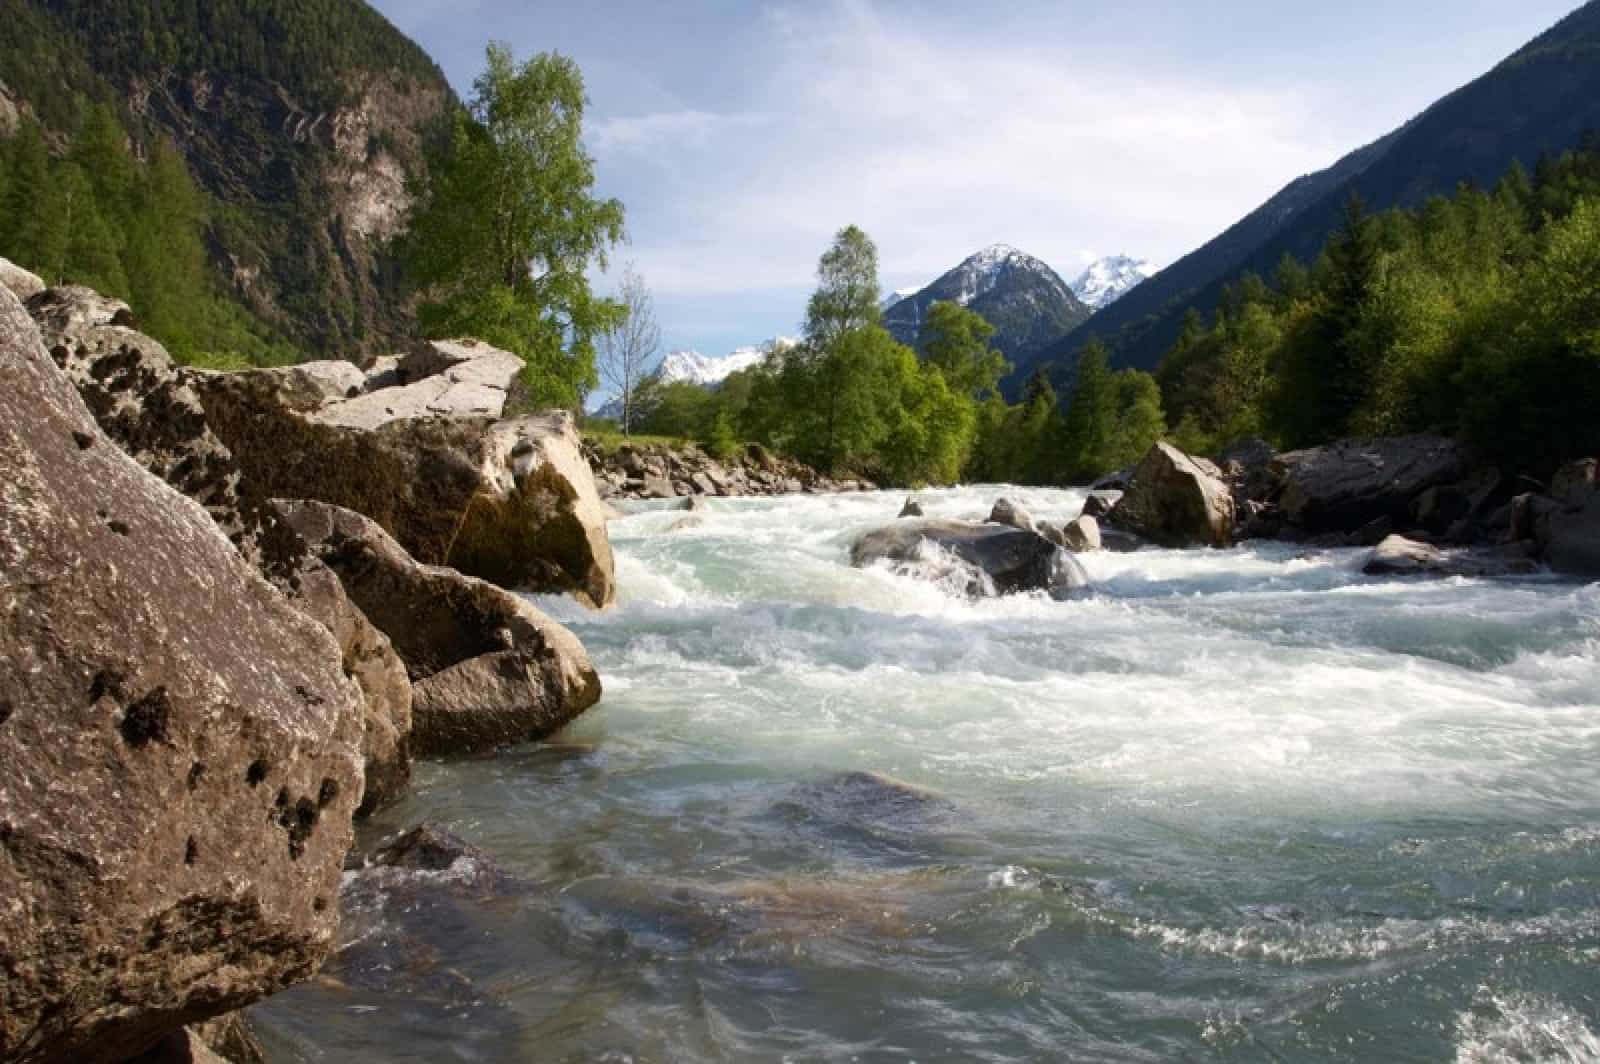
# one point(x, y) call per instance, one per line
point(1539, 100)
point(303, 120)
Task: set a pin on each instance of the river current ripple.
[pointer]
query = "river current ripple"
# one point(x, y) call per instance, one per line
point(1235, 805)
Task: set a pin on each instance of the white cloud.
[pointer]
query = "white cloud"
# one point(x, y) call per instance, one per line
point(939, 143)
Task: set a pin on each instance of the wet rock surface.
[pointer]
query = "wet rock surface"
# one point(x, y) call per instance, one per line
point(985, 559)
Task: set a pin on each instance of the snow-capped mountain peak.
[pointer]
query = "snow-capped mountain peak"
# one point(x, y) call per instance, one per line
point(980, 273)
point(1109, 279)
point(692, 367)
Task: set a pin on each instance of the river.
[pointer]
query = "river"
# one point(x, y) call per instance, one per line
point(1236, 805)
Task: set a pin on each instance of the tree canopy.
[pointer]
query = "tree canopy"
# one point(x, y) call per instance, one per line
point(506, 227)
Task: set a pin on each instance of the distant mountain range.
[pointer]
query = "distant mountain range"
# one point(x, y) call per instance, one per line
point(1541, 100)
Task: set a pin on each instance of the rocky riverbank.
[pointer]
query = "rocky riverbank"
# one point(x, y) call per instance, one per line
point(655, 471)
point(235, 607)
point(1423, 503)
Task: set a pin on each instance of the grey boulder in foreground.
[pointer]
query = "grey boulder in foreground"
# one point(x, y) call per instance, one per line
point(180, 750)
point(984, 559)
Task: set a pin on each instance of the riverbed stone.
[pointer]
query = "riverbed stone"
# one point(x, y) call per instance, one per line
point(1400, 556)
point(1082, 534)
point(1011, 514)
point(179, 747)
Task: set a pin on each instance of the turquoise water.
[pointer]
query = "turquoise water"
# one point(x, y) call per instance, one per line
point(1241, 805)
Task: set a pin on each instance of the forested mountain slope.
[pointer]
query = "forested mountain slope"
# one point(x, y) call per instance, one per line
point(1539, 101)
point(300, 118)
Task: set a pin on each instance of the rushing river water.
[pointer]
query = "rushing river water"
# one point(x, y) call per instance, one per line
point(1241, 805)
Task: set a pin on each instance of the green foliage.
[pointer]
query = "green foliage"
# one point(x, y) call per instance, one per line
point(308, 46)
point(678, 409)
point(1475, 315)
point(505, 229)
point(94, 215)
point(956, 340)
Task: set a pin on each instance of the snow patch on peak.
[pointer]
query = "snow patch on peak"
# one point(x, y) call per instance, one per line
point(1111, 278)
point(980, 273)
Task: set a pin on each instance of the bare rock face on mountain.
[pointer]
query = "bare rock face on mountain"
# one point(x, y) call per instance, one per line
point(179, 747)
point(983, 559)
point(487, 668)
point(1176, 501)
point(423, 454)
point(1345, 485)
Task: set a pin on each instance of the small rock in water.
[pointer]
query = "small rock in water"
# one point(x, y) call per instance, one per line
point(1082, 535)
point(1007, 512)
point(912, 508)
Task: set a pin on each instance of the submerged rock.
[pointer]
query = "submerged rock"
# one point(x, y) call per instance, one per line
point(487, 668)
point(179, 747)
point(1399, 556)
point(986, 559)
point(1176, 501)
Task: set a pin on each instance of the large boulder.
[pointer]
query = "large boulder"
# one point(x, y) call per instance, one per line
point(1571, 542)
point(982, 559)
point(487, 668)
point(513, 502)
point(180, 750)
point(1346, 485)
point(1176, 501)
point(144, 402)
point(1567, 526)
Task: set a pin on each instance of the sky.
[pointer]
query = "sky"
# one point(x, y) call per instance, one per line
point(741, 135)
